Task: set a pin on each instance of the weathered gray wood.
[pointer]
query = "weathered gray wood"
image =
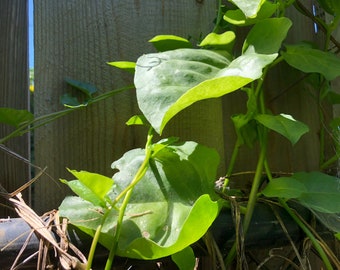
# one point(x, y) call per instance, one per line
point(13, 89)
point(75, 39)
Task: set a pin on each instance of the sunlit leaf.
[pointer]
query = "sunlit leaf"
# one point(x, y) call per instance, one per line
point(169, 82)
point(137, 120)
point(224, 41)
point(164, 43)
point(311, 60)
point(170, 208)
point(285, 125)
point(249, 7)
point(99, 184)
point(267, 35)
point(237, 17)
point(15, 117)
point(124, 65)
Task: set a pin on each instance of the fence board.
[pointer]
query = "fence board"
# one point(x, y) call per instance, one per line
point(13, 89)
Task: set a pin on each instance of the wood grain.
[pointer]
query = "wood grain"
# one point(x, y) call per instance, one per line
point(14, 91)
point(75, 39)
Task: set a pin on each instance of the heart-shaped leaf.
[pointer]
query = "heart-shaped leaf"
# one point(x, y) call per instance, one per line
point(169, 82)
point(170, 208)
point(283, 124)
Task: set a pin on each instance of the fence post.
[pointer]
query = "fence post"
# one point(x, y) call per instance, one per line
point(13, 90)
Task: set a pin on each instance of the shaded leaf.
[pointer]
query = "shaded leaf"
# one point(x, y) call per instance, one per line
point(70, 101)
point(317, 191)
point(164, 43)
point(15, 117)
point(267, 35)
point(284, 187)
point(185, 259)
point(86, 88)
point(311, 60)
point(284, 124)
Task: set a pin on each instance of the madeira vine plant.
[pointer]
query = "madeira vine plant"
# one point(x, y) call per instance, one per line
point(163, 197)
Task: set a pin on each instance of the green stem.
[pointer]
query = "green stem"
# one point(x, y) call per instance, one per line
point(309, 234)
point(232, 163)
point(128, 192)
point(45, 119)
point(219, 16)
point(93, 247)
point(329, 162)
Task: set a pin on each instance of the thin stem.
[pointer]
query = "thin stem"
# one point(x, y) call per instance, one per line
point(45, 119)
point(329, 162)
point(232, 163)
point(309, 234)
point(219, 16)
point(128, 192)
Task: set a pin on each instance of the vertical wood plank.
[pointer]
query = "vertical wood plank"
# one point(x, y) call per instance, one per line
point(13, 89)
point(75, 39)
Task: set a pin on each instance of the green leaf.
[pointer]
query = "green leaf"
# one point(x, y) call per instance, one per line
point(84, 192)
point(169, 82)
point(99, 184)
point(284, 124)
point(316, 191)
point(267, 35)
point(185, 259)
point(169, 209)
point(333, 97)
point(337, 235)
point(73, 102)
point(223, 41)
point(15, 117)
point(139, 120)
point(245, 126)
point(87, 89)
point(164, 43)
point(237, 17)
point(125, 65)
point(330, 6)
point(70, 101)
point(249, 7)
point(312, 60)
point(284, 187)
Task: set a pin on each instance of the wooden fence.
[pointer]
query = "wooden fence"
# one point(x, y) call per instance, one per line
point(74, 39)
